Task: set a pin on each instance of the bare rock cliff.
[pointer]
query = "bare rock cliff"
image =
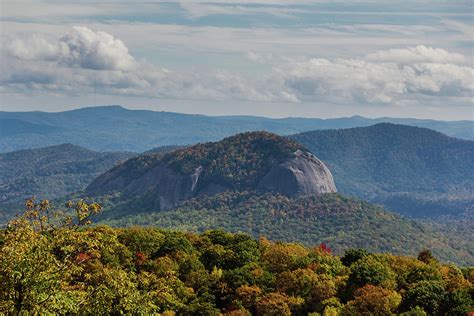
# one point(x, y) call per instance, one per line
point(165, 184)
point(301, 175)
point(253, 161)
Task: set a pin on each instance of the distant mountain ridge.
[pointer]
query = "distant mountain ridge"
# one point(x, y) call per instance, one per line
point(411, 170)
point(112, 128)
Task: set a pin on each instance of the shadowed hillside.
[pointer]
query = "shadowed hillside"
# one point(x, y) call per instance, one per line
point(51, 171)
point(411, 170)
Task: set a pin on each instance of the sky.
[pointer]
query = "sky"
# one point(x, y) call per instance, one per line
point(274, 58)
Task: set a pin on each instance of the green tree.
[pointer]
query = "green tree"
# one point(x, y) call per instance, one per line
point(370, 270)
point(426, 294)
point(40, 249)
point(281, 257)
point(458, 302)
point(415, 311)
point(145, 240)
point(423, 273)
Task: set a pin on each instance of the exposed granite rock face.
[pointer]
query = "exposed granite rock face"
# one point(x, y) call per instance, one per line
point(301, 175)
point(168, 186)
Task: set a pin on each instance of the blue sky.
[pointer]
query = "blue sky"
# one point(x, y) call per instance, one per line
point(271, 58)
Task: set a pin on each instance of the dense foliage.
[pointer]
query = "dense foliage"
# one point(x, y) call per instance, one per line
point(164, 149)
point(116, 128)
point(51, 266)
point(339, 221)
point(415, 171)
point(237, 162)
point(50, 172)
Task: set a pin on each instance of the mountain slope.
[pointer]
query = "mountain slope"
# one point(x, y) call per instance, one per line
point(116, 128)
point(219, 185)
point(338, 221)
point(51, 172)
point(250, 161)
point(412, 170)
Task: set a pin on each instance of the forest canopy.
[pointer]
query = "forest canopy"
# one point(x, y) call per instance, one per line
point(57, 263)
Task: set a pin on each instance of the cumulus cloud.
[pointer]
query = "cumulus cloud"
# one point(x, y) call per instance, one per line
point(418, 54)
point(95, 50)
point(33, 48)
point(367, 81)
point(85, 60)
point(82, 48)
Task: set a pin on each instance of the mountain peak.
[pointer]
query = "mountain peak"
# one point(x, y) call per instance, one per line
point(100, 108)
point(258, 161)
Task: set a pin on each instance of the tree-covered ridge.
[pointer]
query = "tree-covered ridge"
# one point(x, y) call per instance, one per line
point(339, 221)
point(234, 163)
point(164, 149)
point(238, 161)
point(51, 171)
point(70, 268)
point(411, 170)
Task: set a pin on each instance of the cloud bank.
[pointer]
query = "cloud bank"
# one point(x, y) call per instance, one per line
point(85, 60)
point(400, 74)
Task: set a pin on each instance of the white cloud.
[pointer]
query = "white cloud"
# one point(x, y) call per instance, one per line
point(85, 60)
point(82, 48)
point(383, 77)
point(418, 54)
point(34, 47)
point(347, 80)
point(95, 50)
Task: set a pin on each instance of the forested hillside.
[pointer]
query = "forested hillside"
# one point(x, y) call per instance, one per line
point(414, 171)
point(163, 149)
point(50, 172)
point(69, 268)
point(218, 185)
point(339, 221)
point(112, 128)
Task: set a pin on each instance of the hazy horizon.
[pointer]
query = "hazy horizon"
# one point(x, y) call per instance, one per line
point(265, 58)
point(234, 115)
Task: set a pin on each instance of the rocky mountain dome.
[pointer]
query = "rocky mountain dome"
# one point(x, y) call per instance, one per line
point(257, 161)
